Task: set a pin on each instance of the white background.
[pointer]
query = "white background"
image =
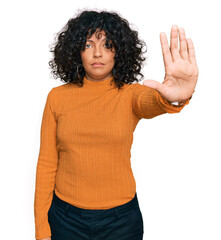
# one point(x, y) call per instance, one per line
point(175, 157)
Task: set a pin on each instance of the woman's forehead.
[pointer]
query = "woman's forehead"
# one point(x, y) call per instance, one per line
point(98, 34)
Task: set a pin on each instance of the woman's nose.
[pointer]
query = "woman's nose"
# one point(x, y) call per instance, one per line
point(97, 52)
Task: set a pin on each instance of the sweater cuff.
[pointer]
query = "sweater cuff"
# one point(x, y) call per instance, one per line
point(43, 231)
point(164, 104)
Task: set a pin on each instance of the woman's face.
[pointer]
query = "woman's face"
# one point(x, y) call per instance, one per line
point(97, 52)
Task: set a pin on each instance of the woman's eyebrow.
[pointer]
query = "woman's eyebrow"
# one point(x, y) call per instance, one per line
point(93, 41)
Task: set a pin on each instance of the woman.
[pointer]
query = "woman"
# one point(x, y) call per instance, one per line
point(85, 187)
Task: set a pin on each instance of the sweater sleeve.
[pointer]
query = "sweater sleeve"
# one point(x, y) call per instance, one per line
point(45, 171)
point(148, 103)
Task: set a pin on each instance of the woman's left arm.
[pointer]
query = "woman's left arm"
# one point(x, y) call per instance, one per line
point(181, 71)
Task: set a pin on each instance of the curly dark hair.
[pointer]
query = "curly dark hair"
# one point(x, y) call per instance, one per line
point(67, 64)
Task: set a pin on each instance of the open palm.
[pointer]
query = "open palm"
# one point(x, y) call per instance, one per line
point(181, 71)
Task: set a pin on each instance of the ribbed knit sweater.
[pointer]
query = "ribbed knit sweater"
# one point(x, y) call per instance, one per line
point(85, 143)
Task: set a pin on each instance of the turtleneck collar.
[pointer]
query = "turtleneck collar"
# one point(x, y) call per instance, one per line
point(99, 84)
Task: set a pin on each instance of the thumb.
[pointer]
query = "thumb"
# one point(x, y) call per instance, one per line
point(156, 85)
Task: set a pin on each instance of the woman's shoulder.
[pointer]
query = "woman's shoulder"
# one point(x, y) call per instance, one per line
point(62, 89)
point(67, 88)
point(134, 86)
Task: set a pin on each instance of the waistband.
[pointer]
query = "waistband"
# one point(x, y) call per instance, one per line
point(94, 212)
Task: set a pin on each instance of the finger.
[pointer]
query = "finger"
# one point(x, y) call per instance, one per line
point(174, 43)
point(167, 58)
point(191, 51)
point(161, 88)
point(183, 44)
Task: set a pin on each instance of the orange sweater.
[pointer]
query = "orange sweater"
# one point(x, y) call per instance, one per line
point(86, 137)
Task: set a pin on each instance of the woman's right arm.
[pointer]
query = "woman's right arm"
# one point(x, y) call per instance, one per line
point(48, 238)
point(148, 103)
point(46, 170)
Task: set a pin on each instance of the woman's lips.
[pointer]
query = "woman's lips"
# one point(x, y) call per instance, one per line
point(97, 64)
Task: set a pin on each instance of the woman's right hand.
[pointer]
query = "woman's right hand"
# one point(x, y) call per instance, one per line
point(47, 238)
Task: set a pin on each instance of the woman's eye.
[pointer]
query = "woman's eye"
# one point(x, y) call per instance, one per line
point(87, 45)
point(108, 45)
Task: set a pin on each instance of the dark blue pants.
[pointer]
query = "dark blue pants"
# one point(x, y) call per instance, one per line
point(68, 222)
